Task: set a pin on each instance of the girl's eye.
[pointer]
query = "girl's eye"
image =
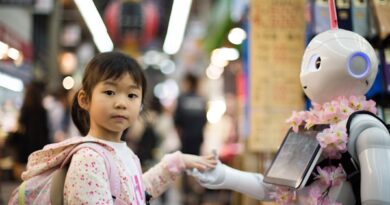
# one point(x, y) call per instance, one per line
point(109, 92)
point(132, 95)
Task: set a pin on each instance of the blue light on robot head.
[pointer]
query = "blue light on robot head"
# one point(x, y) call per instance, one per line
point(359, 65)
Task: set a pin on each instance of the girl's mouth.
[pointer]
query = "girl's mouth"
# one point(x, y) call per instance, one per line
point(119, 117)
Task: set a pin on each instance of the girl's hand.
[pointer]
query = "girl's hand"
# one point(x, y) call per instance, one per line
point(202, 163)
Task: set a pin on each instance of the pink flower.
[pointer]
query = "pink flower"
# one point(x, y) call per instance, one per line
point(341, 138)
point(331, 176)
point(319, 197)
point(339, 176)
point(330, 112)
point(322, 137)
point(333, 141)
point(323, 176)
point(345, 110)
point(296, 120)
point(283, 196)
point(328, 107)
point(355, 102)
point(311, 119)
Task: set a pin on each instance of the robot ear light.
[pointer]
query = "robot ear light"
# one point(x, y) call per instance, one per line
point(359, 65)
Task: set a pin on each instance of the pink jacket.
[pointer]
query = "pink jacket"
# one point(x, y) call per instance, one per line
point(93, 188)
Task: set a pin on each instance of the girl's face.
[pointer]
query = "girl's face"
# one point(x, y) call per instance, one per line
point(114, 106)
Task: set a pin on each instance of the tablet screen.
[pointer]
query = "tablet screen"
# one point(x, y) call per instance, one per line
point(296, 158)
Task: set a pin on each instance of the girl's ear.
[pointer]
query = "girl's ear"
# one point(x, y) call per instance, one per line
point(83, 100)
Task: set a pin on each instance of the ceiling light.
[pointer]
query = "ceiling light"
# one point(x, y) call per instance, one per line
point(177, 25)
point(95, 24)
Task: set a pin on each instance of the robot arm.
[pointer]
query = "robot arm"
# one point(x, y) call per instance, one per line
point(225, 177)
point(369, 145)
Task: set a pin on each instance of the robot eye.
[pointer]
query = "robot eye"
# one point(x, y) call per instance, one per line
point(359, 65)
point(318, 63)
point(314, 63)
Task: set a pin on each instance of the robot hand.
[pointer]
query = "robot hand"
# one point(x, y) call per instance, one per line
point(211, 179)
point(225, 177)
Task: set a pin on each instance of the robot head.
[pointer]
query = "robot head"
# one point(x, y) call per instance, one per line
point(337, 63)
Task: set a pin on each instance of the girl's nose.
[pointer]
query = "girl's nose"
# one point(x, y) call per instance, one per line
point(120, 102)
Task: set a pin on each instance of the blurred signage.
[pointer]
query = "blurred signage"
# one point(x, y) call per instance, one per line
point(276, 49)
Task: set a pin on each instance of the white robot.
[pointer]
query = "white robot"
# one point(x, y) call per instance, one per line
point(335, 63)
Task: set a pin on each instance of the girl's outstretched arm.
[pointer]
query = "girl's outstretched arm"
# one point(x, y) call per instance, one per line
point(158, 178)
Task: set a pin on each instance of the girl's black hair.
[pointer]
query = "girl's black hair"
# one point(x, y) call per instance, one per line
point(108, 65)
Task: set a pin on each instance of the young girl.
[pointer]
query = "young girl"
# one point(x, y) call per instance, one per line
point(109, 102)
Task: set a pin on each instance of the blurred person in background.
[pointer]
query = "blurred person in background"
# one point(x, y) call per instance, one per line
point(32, 130)
point(58, 105)
point(190, 115)
point(190, 120)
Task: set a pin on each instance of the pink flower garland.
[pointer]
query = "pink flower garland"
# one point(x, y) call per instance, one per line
point(333, 141)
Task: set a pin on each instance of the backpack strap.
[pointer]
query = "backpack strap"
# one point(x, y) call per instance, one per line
point(57, 186)
point(58, 180)
point(21, 198)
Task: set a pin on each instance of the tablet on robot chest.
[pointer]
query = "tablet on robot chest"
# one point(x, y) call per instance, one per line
point(296, 158)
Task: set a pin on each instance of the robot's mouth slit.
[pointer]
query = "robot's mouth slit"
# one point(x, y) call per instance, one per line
point(367, 82)
point(304, 87)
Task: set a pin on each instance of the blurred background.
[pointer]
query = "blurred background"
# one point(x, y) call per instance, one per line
point(242, 58)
